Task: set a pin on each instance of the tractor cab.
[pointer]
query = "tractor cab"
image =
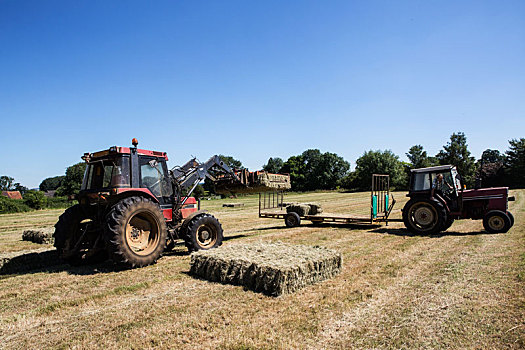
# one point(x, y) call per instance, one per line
point(421, 182)
point(119, 170)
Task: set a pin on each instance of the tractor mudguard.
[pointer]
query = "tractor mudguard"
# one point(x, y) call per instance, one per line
point(186, 221)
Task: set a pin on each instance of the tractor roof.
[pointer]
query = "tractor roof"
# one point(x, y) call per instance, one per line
point(433, 169)
point(125, 150)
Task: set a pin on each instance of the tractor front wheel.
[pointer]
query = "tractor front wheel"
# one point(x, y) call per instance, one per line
point(511, 217)
point(424, 216)
point(204, 232)
point(496, 222)
point(136, 232)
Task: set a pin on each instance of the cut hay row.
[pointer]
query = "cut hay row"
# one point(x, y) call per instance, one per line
point(270, 268)
point(40, 236)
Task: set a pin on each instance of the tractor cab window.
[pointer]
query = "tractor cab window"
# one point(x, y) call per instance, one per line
point(421, 182)
point(153, 178)
point(107, 173)
point(448, 180)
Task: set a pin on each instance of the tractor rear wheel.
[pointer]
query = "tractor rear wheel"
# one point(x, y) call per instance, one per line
point(136, 232)
point(424, 216)
point(496, 222)
point(204, 232)
point(76, 237)
point(448, 223)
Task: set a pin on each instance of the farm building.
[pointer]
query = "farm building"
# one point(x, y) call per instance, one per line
point(12, 194)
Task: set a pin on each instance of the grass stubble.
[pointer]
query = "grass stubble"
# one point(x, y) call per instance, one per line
point(462, 289)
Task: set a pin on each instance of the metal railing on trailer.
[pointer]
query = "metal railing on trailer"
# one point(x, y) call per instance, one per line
point(272, 205)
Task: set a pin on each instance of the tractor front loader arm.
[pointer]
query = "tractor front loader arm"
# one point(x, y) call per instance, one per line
point(190, 174)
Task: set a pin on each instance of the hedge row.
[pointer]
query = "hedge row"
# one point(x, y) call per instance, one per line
point(32, 201)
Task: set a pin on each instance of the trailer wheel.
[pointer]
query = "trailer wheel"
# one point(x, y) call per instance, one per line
point(424, 216)
point(204, 232)
point(511, 217)
point(135, 232)
point(292, 219)
point(496, 222)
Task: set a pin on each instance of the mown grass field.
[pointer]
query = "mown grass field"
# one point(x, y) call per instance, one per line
point(461, 289)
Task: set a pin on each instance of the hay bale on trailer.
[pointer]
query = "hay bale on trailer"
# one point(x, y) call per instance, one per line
point(253, 182)
point(270, 268)
point(301, 209)
point(315, 208)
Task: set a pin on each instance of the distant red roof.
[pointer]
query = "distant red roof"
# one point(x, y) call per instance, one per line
point(12, 194)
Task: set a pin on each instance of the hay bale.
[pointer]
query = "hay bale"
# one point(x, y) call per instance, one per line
point(233, 205)
point(315, 208)
point(40, 236)
point(300, 208)
point(270, 268)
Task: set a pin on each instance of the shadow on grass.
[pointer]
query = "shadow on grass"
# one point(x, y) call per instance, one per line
point(407, 233)
point(362, 226)
point(48, 261)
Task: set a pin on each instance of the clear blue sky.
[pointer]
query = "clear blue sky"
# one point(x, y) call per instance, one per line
point(255, 79)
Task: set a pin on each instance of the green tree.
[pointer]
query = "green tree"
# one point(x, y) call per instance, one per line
point(456, 153)
point(492, 156)
point(51, 183)
point(6, 183)
point(379, 162)
point(231, 162)
point(73, 180)
point(490, 169)
point(35, 199)
point(314, 170)
point(274, 165)
point(418, 157)
point(18, 187)
point(515, 163)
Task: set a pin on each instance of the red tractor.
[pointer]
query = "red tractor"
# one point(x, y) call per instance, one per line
point(131, 207)
point(429, 211)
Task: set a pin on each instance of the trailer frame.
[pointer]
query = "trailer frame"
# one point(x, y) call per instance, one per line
point(271, 206)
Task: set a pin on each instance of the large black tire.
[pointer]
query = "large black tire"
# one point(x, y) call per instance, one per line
point(511, 217)
point(203, 232)
point(424, 216)
point(73, 241)
point(136, 232)
point(448, 223)
point(292, 219)
point(496, 221)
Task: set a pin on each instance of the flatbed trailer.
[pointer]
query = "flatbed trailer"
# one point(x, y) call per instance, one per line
point(271, 206)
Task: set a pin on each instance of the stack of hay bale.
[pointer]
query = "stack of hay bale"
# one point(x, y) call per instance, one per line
point(269, 268)
point(303, 209)
point(40, 236)
point(253, 182)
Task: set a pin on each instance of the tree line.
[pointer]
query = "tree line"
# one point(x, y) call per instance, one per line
point(314, 170)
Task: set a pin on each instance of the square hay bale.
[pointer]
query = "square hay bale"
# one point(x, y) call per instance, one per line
point(233, 205)
point(40, 236)
point(315, 208)
point(301, 209)
point(270, 268)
